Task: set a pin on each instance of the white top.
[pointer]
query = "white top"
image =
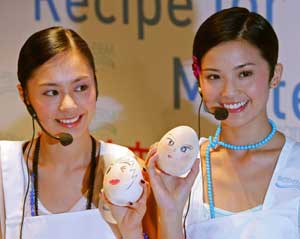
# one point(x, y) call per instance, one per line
point(281, 200)
point(219, 212)
point(76, 224)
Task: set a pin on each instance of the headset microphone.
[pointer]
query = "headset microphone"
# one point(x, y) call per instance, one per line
point(64, 138)
point(220, 113)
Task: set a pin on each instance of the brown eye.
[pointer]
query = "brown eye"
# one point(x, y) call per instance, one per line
point(213, 77)
point(244, 74)
point(51, 93)
point(171, 142)
point(81, 88)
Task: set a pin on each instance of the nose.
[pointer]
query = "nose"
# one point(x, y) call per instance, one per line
point(67, 103)
point(229, 88)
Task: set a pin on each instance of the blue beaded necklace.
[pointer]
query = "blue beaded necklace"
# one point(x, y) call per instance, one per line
point(213, 142)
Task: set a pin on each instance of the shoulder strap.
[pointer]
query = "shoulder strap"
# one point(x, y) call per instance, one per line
point(14, 178)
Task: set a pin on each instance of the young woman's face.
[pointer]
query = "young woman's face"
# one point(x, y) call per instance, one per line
point(235, 76)
point(62, 92)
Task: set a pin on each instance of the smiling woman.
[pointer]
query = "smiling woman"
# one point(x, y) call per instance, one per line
point(62, 179)
point(66, 85)
point(239, 190)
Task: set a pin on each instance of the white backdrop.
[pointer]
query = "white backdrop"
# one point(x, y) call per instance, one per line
point(143, 56)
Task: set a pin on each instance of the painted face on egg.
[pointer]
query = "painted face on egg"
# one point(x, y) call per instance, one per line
point(178, 150)
point(122, 173)
point(121, 182)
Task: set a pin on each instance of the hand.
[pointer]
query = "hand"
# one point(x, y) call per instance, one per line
point(171, 194)
point(129, 218)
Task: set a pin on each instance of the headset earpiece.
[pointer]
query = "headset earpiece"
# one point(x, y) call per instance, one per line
point(200, 91)
point(31, 111)
point(29, 107)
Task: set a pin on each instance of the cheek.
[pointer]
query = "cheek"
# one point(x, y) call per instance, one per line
point(113, 174)
point(179, 156)
point(45, 110)
point(210, 93)
point(166, 147)
point(259, 90)
point(90, 103)
point(185, 156)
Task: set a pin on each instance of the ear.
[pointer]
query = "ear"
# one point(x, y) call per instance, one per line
point(276, 76)
point(21, 92)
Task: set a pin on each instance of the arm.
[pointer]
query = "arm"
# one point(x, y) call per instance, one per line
point(171, 194)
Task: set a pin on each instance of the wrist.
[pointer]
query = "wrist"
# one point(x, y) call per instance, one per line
point(171, 215)
point(137, 233)
point(171, 227)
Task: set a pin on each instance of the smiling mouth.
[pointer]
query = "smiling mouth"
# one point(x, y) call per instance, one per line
point(236, 107)
point(70, 122)
point(114, 181)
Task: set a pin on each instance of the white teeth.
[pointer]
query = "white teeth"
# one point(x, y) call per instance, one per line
point(69, 121)
point(235, 106)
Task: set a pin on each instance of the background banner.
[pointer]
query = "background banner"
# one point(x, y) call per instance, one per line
point(143, 51)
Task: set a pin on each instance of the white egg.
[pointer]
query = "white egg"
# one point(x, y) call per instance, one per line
point(178, 149)
point(121, 182)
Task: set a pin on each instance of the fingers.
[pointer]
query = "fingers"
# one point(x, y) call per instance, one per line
point(103, 198)
point(193, 173)
point(140, 206)
point(151, 152)
point(133, 205)
point(151, 165)
point(101, 202)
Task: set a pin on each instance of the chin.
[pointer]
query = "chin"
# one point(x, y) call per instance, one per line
point(237, 122)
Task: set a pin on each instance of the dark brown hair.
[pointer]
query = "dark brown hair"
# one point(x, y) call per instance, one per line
point(45, 44)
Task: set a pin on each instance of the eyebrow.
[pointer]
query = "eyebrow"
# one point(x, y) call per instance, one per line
point(243, 65)
point(188, 145)
point(235, 68)
point(126, 163)
point(73, 81)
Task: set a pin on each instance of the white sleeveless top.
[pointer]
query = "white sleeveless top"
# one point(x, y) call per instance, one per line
point(78, 223)
point(278, 217)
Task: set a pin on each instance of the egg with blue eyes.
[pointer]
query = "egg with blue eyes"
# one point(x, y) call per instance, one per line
point(177, 150)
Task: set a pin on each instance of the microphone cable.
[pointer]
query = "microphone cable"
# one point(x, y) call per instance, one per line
point(189, 198)
point(28, 179)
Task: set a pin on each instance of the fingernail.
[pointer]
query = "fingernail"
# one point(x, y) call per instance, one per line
point(144, 169)
point(142, 181)
point(130, 203)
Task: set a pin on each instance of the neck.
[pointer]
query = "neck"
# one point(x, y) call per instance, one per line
point(250, 133)
point(74, 155)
